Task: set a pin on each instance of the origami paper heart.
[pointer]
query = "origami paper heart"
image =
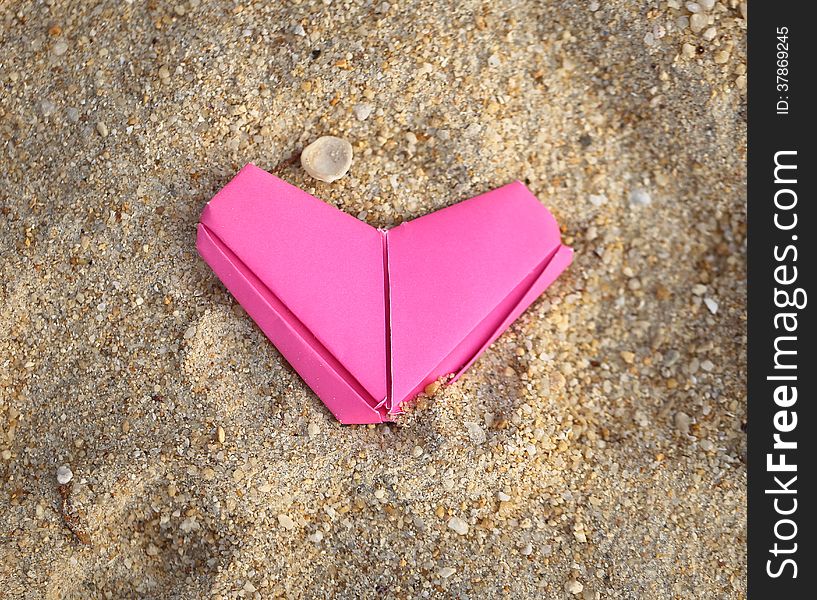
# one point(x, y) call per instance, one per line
point(369, 317)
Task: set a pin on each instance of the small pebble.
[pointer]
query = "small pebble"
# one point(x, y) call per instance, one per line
point(722, 57)
point(503, 497)
point(472, 130)
point(597, 199)
point(698, 22)
point(712, 305)
point(639, 198)
point(671, 358)
point(221, 435)
point(446, 572)
point(316, 537)
point(574, 587)
point(682, 422)
point(475, 433)
point(327, 159)
point(710, 34)
point(286, 521)
point(312, 429)
point(60, 48)
point(432, 388)
point(363, 110)
point(417, 452)
point(47, 107)
point(425, 69)
point(102, 129)
point(64, 474)
point(189, 524)
point(458, 525)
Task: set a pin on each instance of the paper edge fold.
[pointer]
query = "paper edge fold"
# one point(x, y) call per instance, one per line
point(551, 268)
point(321, 371)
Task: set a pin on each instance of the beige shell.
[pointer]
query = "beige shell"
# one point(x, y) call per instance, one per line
point(327, 159)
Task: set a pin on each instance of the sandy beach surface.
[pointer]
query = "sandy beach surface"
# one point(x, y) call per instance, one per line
point(596, 450)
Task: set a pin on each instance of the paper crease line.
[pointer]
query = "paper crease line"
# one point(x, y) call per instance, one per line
point(389, 400)
point(296, 324)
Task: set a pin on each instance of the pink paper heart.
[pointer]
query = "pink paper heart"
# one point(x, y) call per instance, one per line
point(370, 317)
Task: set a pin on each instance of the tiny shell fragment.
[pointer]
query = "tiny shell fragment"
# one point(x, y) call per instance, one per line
point(327, 159)
point(64, 475)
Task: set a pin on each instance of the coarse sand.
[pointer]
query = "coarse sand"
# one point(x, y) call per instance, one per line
point(596, 450)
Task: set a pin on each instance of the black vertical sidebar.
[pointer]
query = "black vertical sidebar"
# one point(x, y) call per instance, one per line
point(782, 263)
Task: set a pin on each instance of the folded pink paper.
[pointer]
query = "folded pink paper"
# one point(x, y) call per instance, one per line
point(369, 317)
